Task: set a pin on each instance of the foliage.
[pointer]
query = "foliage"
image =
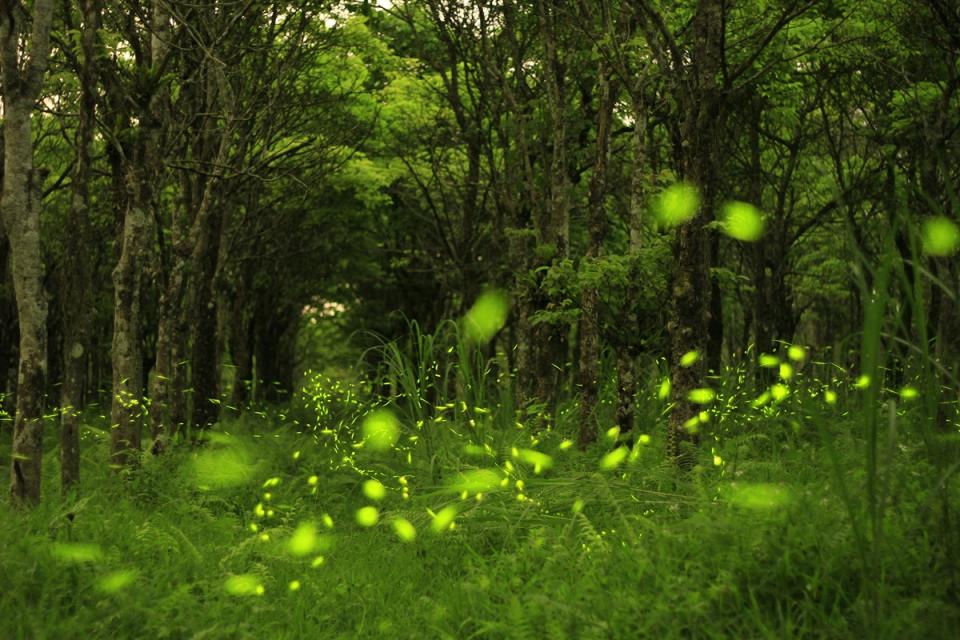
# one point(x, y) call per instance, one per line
point(324, 536)
point(413, 296)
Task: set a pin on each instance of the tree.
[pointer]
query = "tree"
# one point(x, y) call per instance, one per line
point(140, 152)
point(77, 276)
point(703, 76)
point(22, 74)
point(597, 224)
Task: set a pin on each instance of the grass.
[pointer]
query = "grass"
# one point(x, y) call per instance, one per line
point(764, 539)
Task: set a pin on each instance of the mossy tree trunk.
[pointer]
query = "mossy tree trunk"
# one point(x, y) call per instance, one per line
point(8, 320)
point(166, 385)
point(143, 170)
point(127, 409)
point(22, 69)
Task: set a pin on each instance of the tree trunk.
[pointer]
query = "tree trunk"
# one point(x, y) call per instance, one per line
point(551, 222)
point(127, 349)
point(241, 354)
point(8, 319)
point(168, 401)
point(179, 404)
point(626, 354)
point(144, 171)
point(163, 387)
point(77, 275)
point(21, 210)
point(597, 230)
point(948, 347)
point(520, 201)
point(163, 425)
point(201, 306)
point(690, 292)
point(8, 322)
point(210, 96)
point(206, 352)
point(555, 227)
point(274, 355)
point(20, 205)
point(763, 325)
point(237, 328)
point(519, 252)
point(715, 323)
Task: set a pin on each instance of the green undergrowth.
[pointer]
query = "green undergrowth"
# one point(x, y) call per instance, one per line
point(257, 534)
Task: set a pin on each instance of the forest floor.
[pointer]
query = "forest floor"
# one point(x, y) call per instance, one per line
point(287, 525)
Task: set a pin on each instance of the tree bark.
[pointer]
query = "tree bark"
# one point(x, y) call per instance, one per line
point(627, 353)
point(127, 348)
point(273, 351)
point(948, 347)
point(165, 387)
point(518, 198)
point(20, 205)
point(129, 411)
point(207, 96)
point(163, 425)
point(77, 274)
point(552, 221)
point(555, 227)
point(241, 352)
point(8, 322)
point(597, 230)
point(201, 306)
point(234, 281)
point(714, 358)
point(690, 291)
point(205, 364)
point(168, 398)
